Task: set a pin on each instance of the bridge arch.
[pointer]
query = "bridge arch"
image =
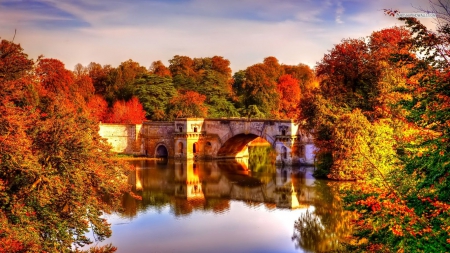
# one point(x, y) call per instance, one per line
point(161, 151)
point(237, 145)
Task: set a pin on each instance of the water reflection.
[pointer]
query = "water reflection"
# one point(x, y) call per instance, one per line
point(324, 229)
point(270, 197)
point(191, 185)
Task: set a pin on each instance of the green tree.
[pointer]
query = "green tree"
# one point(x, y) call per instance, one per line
point(155, 92)
point(259, 86)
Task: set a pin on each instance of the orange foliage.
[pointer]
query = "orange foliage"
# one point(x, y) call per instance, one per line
point(53, 76)
point(84, 86)
point(98, 108)
point(188, 104)
point(130, 112)
point(289, 91)
point(159, 69)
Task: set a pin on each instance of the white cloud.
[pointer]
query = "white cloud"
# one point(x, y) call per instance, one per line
point(339, 11)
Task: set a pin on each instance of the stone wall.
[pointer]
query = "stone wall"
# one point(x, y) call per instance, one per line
point(122, 137)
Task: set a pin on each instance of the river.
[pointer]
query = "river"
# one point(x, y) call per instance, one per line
point(227, 206)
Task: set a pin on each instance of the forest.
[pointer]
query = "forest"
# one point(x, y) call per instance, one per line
point(198, 87)
point(378, 108)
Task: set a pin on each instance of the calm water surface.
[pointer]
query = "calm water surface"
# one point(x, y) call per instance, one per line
point(227, 206)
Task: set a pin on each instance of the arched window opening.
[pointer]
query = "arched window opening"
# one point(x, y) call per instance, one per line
point(194, 148)
point(180, 147)
point(181, 129)
point(283, 132)
point(195, 129)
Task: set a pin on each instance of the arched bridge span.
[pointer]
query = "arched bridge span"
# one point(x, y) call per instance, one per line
point(198, 138)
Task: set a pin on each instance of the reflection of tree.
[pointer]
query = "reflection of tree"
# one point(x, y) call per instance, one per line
point(262, 163)
point(328, 225)
point(260, 157)
point(310, 234)
point(154, 199)
point(217, 205)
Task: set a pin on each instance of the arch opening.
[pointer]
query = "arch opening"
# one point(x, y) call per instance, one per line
point(237, 146)
point(194, 148)
point(161, 152)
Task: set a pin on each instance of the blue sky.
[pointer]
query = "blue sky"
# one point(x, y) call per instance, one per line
point(245, 31)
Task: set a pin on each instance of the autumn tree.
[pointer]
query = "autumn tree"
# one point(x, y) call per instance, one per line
point(129, 112)
point(356, 77)
point(100, 76)
point(158, 68)
point(57, 178)
point(410, 212)
point(289, 91)
point(209, 76)
point(304, 75)
point(98, 108)
point(188, 104)
point(83, 83)
point(258, 86)
point(53, 76)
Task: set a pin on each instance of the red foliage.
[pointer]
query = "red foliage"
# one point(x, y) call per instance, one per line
point(53, 76)
point(130, 112)
point(289, 91)
point(98, 108)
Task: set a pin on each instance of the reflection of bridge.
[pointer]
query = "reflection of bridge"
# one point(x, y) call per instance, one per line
point(197, 181)
point(210, 138)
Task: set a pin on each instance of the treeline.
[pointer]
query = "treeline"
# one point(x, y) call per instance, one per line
point(381, 116)
point(198, 87)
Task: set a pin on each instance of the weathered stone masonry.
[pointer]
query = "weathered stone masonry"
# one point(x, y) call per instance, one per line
point(210, 138)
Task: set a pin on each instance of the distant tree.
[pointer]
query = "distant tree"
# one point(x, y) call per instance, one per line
point(53, 76)
point(289, 92)
point(100, 77)
point(259, 86)
point(98, 108)
point(130, 112)
point(155, 93)
point(303, 73)
point(188, 104)
point(182, 65)
point(83, 83)
point(158, 68)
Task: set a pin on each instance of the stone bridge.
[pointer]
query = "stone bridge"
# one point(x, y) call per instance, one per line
point(198, 138)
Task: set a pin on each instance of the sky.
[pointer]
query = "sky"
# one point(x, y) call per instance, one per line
point(244, 31)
